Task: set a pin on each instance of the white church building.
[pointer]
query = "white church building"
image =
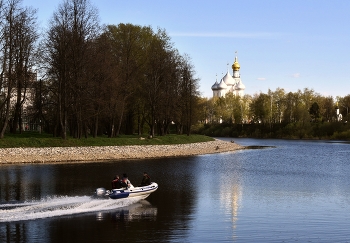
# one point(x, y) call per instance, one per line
point(229, 83)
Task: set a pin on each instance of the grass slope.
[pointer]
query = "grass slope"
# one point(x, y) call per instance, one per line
point(32, 139)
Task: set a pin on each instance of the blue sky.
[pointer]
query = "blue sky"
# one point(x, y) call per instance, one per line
point(290, 44)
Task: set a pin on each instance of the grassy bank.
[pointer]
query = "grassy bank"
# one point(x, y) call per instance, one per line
point(32, 139)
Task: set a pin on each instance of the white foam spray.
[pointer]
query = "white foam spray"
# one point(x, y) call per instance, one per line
point(59, 206)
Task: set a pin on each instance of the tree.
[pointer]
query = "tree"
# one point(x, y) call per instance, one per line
point(159, 53)
point(227, 108)
point(279, 103)
point(72, 29)
point(209, 110)
point(25, 39)
point(327, 110)
point(314, 111)
point(245, 102)
point(101, 73)
point(17, 39)
point(344, 103)
point(127, 45)
point(260, 108)
point(189, 87)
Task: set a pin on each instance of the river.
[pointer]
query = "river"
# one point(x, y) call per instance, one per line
point(289, 191)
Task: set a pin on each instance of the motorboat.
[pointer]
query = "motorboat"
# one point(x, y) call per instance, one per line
point(140, 191)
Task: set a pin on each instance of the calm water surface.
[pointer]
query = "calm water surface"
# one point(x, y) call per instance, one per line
point(297, 191)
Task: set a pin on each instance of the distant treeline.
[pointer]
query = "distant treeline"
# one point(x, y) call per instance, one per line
point(327, 130)
point(277, 114)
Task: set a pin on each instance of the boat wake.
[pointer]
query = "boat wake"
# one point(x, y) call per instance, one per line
point(59, 206)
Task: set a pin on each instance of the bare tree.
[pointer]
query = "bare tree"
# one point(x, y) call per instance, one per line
point(25, 39)
point(101, 75)
point(72, 29)
point(18, 38)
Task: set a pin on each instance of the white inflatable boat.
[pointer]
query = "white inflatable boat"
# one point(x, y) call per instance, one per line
point(142, 192)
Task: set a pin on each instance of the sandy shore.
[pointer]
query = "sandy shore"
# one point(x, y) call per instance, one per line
point(75, 154)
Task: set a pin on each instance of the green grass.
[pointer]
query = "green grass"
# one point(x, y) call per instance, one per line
point(32, 139)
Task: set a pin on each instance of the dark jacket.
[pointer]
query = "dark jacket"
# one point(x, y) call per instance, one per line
point(117, 184)
point(146, 180)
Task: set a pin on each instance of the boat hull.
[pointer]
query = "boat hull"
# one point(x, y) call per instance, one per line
point(142, 192)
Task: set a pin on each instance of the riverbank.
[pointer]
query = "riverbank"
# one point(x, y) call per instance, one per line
point(105, 153)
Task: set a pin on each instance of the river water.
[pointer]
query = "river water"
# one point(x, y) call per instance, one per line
point(292, 191)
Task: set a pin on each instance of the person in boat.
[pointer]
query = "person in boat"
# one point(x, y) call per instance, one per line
point(146, 180)
point(117, 183)
point(125, 182)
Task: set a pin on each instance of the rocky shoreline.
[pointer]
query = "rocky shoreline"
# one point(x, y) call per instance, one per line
point(105, 153)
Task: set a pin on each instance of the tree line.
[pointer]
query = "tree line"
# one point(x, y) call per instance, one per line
point(82, 78)
point(279, 114)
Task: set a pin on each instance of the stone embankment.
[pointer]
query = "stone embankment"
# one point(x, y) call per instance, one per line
point(85, 154)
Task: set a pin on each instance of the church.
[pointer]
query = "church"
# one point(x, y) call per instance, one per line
point(229, 83)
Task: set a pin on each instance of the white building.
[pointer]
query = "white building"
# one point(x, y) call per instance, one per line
point(339, 115)
point(229, 83)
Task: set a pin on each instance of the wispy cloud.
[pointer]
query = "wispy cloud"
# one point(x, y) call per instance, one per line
point(248, 35)
point(261, 79)
point(296, 75)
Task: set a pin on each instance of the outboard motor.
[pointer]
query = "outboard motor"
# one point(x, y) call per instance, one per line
point(101, 192)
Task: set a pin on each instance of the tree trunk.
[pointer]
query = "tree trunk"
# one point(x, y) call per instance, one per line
point(7, 116)
point(120, 118)
point(95, 127)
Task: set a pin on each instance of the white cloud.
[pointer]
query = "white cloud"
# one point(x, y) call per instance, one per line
point(296, 75)
point(262, 79)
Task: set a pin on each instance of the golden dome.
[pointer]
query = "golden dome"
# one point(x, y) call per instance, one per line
point(235, 65)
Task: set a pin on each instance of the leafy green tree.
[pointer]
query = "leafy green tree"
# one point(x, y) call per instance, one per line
point(344, 103)
point(156, 72)
point(279, 104)
point(328, 113)
point(188, 87)
point(209, 110)
point(261, 108)
point(314, 111)
point(232, 109)
point(244, 103)
point(128, 44)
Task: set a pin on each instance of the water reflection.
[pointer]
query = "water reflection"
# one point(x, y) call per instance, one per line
point(142, 210)
point(174, 199)
point(25, 182)
point(292, 191)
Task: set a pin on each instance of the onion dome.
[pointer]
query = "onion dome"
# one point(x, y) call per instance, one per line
point(215, 86)
point(235, 65)
point(228, 79)
point(222, 85)
point(240, 86)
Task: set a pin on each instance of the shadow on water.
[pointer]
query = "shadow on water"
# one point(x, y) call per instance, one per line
point(258, 147)
point(53, 202)
point(296, 191)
